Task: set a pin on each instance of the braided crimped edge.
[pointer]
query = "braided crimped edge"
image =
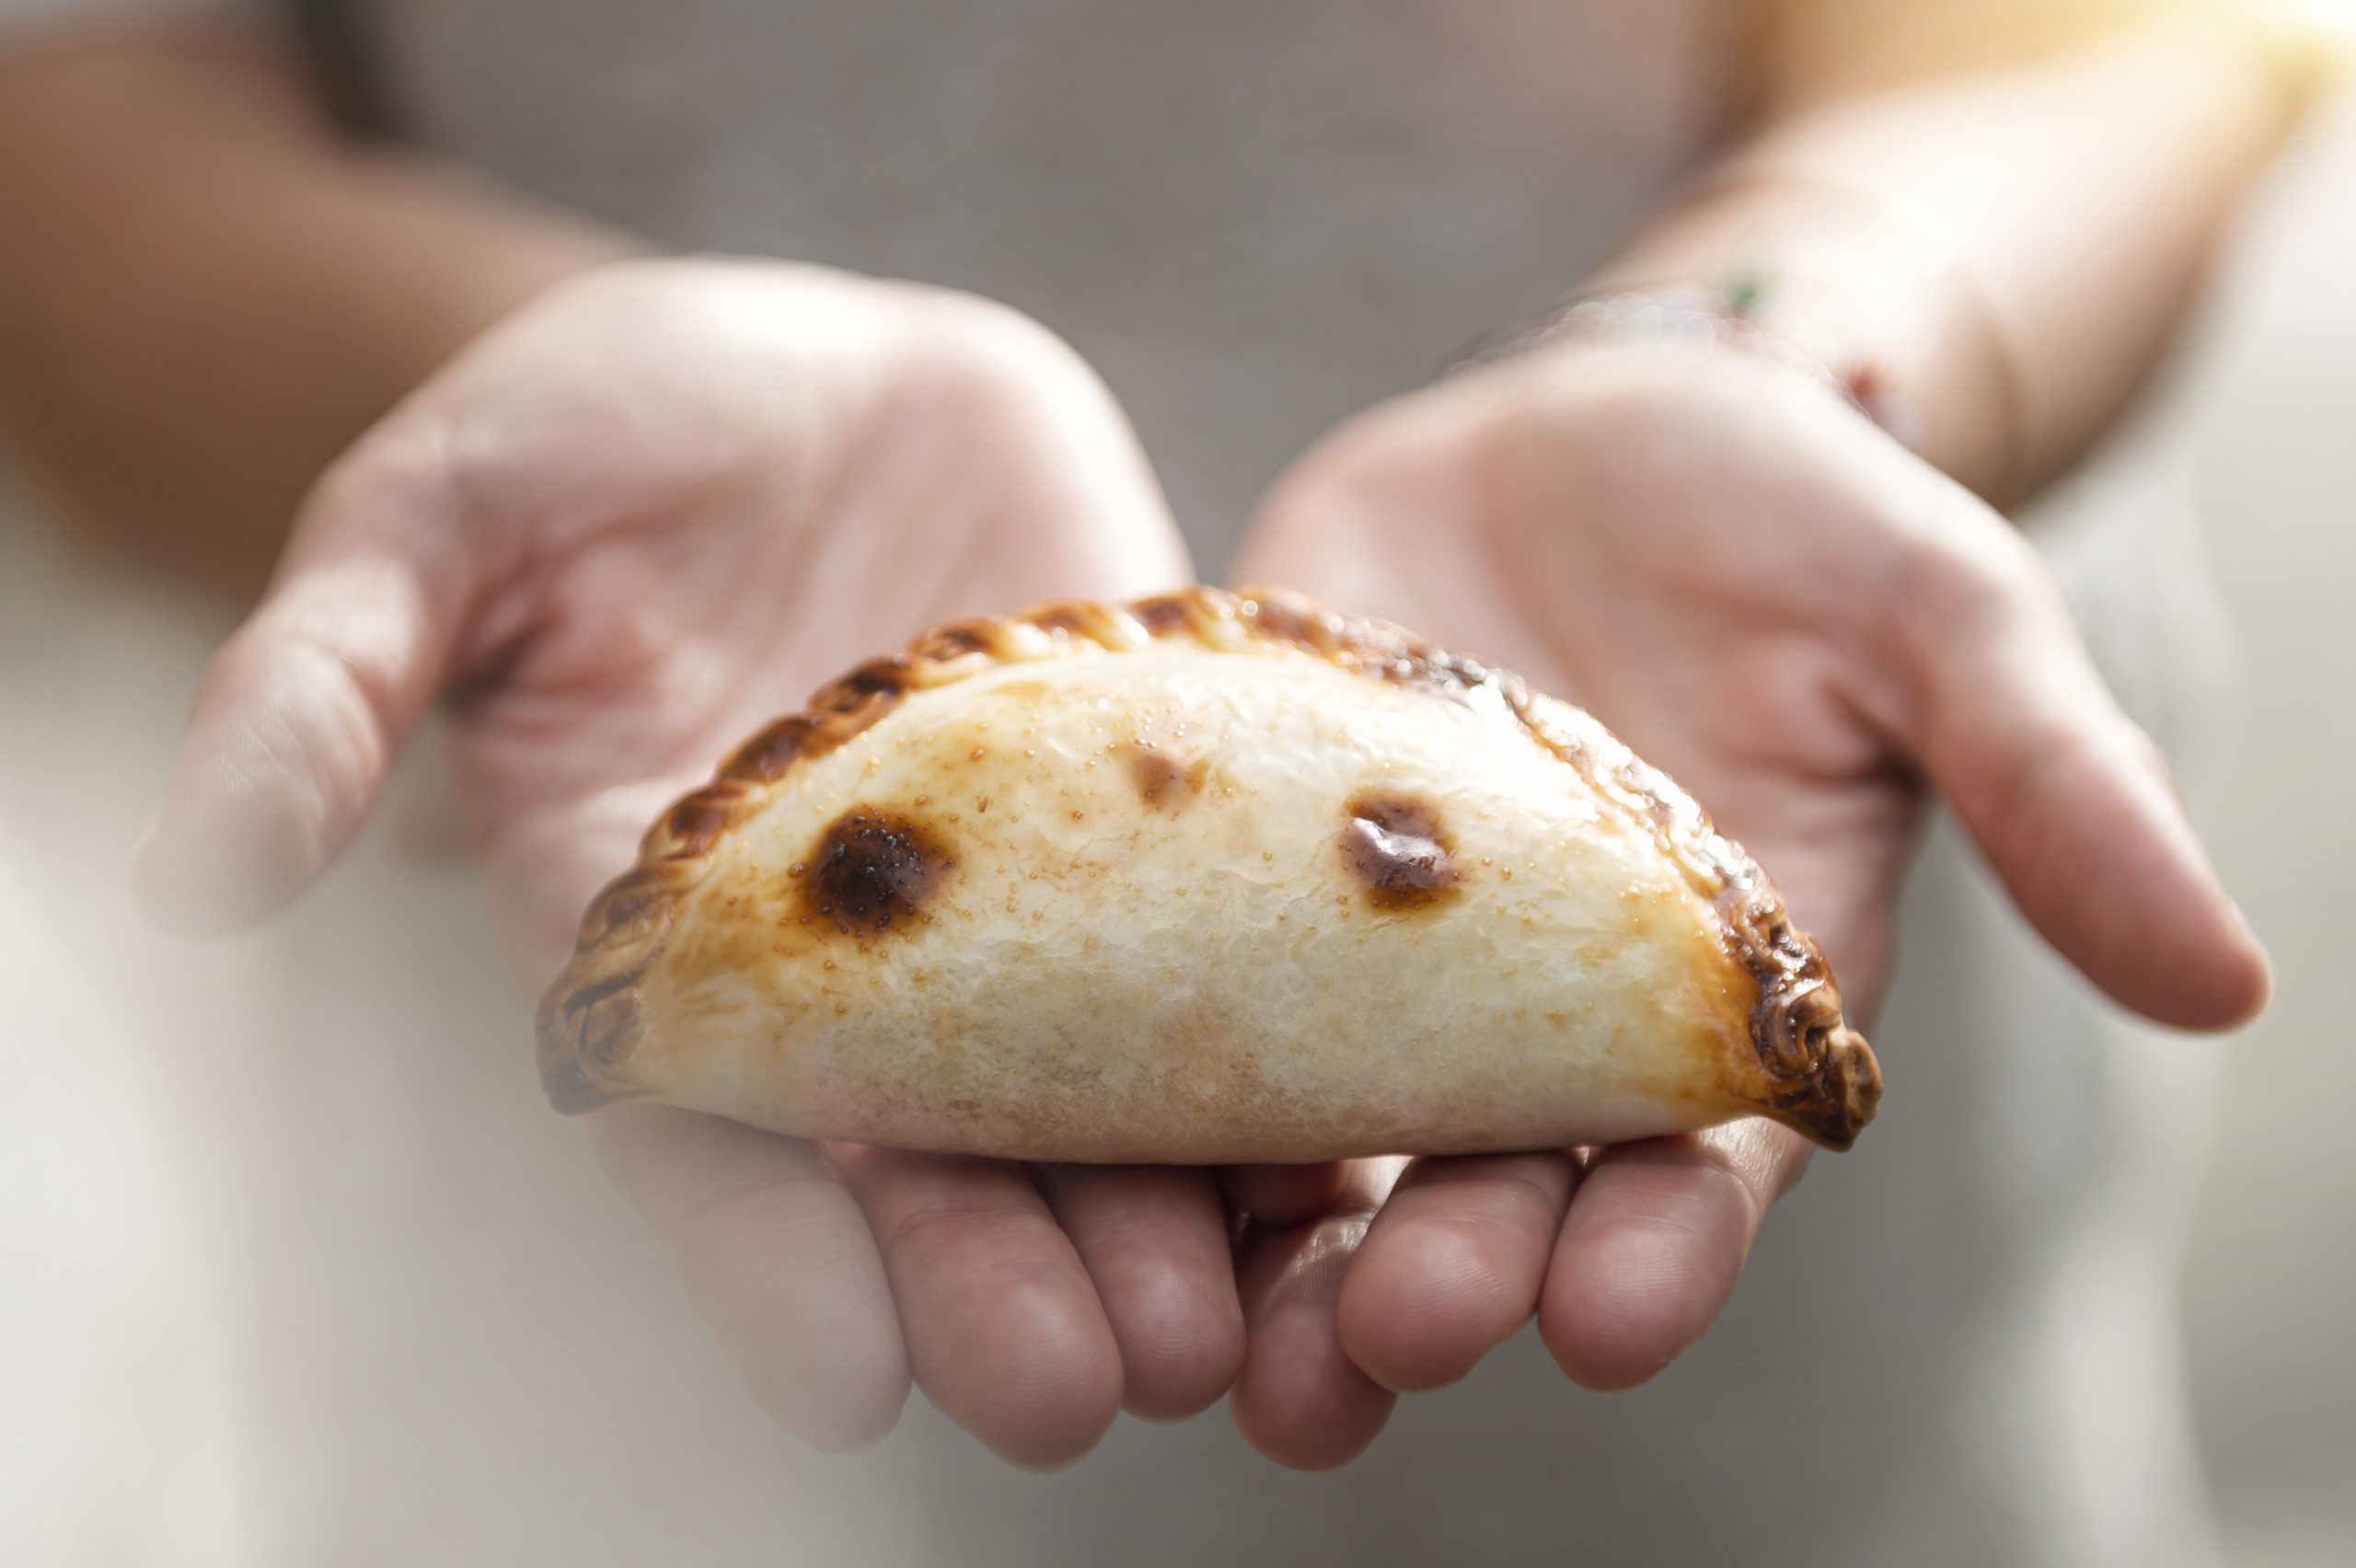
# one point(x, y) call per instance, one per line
point(1828, 1084)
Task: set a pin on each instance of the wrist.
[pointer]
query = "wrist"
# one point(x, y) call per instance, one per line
point(1695, 323)
point(1862, 288)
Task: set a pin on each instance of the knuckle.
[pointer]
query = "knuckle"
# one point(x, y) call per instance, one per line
point(930, 1226)
point(401, 473)
point(1736, 1177)
point(1970, 570)
point(1177, 1362)
point(1521, 1191)
point(1768, 1156)
point(961, 1242)
point(1677, 1182)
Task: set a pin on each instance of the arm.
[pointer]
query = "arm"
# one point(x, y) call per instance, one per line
point(2009, 249)
point(207, 293)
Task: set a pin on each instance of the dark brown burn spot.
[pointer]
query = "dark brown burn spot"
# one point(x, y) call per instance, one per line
point(1395, 845)
point(1161, 782)
point(872, 871)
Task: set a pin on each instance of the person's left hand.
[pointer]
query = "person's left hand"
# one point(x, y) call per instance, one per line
point(642, 516)
point(1800, 621)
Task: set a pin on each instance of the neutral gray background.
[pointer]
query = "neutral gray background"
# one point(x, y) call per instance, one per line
point(2271, 1287)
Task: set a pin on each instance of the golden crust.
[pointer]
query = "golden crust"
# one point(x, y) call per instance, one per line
point(1826, 1083)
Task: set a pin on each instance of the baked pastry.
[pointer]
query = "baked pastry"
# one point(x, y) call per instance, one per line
point(1202, 878)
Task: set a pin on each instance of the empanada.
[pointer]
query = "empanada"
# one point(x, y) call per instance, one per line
point(1202, 878)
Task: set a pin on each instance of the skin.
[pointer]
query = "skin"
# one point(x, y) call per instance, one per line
point(1884, 633)
point(627, 526)
point(614, 513)
point(1808, 625)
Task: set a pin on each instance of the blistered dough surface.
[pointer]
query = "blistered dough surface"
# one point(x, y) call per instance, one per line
point(1197, 898)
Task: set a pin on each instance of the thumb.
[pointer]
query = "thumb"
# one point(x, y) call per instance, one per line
point(301, 711)
point(2068, 798)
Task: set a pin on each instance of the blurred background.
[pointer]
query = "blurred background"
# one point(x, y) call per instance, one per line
point(2270, 1282)
point(290, 1304)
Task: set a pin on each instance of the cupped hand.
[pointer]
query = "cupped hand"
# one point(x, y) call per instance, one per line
point(625, 529)
point(1808, 629)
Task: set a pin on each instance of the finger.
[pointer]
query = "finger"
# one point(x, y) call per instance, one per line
point(1282, 1194)
point(1653, 1243)
point(2066, 797)
point(301, 711)
point(1154, 1240)
point(1451, 1267)
point(1003, 1326)
point(778, 1261)
point(1299, 1398)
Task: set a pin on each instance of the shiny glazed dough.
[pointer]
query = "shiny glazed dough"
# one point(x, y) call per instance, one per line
point(1205, 879)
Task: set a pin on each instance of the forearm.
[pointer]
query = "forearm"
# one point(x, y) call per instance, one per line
point(2006, 253)
point(206, 293)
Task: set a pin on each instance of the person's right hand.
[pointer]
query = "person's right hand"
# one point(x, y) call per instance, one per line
point(628, 526)
point(1811, 629)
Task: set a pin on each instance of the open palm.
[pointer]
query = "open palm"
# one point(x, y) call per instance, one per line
point(662, 502)
point(630, 525)
point(1803, 624)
